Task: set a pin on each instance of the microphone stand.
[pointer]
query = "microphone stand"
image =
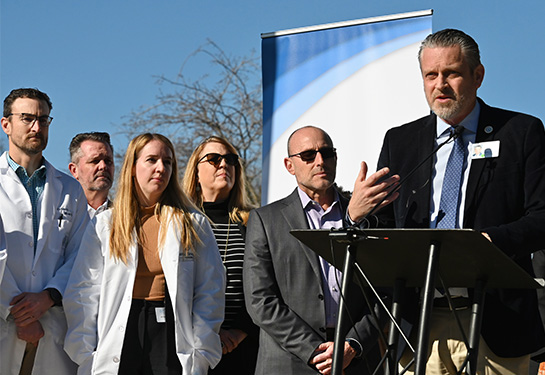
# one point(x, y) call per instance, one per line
point(455, 133)
point(352, 237)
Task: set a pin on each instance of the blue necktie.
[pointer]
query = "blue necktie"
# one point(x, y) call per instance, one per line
point(450, 193)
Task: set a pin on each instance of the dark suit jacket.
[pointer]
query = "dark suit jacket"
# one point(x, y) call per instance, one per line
point(505, 198)
point(284, 295)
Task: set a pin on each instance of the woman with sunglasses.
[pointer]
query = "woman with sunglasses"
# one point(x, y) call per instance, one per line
point(146, 293)
point(215, 180)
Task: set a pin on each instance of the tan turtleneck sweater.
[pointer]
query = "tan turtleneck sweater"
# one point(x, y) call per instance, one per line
point(150, 279)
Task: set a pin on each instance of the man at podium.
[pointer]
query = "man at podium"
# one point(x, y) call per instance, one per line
point(500, 193)
point(291, 293)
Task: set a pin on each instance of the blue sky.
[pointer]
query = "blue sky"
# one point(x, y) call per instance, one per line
point(98, 60)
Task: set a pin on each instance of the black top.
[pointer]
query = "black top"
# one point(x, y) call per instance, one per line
point(230, 240)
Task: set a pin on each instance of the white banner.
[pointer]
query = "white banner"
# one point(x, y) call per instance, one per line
point(353, 79)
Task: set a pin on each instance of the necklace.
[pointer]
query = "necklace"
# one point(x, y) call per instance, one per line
point(224, 256)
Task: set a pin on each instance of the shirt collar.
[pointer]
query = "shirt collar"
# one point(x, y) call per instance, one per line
point(39, 173)
point(470, 122)
point(103, 207)
point(308, 203)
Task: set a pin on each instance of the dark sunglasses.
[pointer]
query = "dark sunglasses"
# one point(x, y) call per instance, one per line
point(309, 155)
point(215, 159)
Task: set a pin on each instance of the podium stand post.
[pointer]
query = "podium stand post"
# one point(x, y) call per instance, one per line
point(475, 326)
point(342, 322)
point(393, 333)
point(427, 306)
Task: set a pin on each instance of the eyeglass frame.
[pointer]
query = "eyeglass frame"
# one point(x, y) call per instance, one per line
point(36, 118)
point(221, 157)
point(321, 150)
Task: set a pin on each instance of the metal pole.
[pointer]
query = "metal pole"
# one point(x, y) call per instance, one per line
point(475, 326)
point(427, 305)
point(342, 322)
point(393, 333)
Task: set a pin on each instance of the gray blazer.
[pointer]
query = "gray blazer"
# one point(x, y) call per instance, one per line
point(284, 295)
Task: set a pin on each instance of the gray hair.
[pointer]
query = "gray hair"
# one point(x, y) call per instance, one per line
point(75, 144)
point(450, 38)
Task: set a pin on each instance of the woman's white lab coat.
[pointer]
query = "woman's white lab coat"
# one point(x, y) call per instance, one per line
point(99, 294)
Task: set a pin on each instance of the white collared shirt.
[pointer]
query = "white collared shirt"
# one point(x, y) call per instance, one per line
point(103, 207)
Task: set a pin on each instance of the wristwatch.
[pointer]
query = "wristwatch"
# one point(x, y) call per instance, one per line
point(55, 296)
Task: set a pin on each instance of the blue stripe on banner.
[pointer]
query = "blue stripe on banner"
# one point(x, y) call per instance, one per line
point(313, 63)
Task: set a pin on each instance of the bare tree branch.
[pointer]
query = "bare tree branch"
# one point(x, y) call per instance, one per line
point(193, 109)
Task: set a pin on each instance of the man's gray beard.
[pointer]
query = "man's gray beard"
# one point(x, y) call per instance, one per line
point(101, 187)
point(449, 112)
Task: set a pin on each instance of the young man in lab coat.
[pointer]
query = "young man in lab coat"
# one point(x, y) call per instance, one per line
point(44, 213)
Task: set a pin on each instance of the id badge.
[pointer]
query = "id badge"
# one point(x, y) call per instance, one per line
point(160, 315)
point(485, 150)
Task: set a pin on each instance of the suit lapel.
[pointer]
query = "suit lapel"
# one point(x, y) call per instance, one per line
point(49, 214)
point(475, 180)
point(426, 144)
point(294, 215)
point(419, 186)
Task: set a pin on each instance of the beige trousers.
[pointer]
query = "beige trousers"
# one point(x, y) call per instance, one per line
point(447, 350)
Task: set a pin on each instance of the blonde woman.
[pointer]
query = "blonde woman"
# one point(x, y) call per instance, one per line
point(146, 294)
point(215, 180)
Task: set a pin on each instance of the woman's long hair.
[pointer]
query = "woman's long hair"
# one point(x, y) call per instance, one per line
point(173, 206)
point(239, 205)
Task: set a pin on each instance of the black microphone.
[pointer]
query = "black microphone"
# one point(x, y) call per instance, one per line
point(455, 132)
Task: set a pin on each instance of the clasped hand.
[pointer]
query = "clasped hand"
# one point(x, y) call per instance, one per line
point(27, 308)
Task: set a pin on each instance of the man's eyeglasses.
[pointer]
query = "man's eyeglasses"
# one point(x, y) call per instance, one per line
point(309, 155)
point(215, 159)
point(29, 119)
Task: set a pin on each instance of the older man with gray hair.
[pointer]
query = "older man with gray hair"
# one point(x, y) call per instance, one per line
point(92, 164)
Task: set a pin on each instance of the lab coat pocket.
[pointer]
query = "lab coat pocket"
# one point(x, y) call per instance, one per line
point(64, 219)
point(186, 267)
point(186, 264)
point(54, 324)
point(61, 231)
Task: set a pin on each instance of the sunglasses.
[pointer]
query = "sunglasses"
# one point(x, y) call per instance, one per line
point(309, 155)
point(215, 159)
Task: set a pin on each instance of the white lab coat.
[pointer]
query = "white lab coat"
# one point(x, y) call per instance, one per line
point(99, 294)
point(3, 251)
point(3, 258)
point(63, 218)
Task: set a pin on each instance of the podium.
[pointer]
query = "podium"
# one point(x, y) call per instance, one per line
point(399, 258)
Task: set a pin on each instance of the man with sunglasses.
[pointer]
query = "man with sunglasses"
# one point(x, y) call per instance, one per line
point(44, 213)
point(291, 293)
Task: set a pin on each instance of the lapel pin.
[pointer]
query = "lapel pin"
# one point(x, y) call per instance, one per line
point(489, 129)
